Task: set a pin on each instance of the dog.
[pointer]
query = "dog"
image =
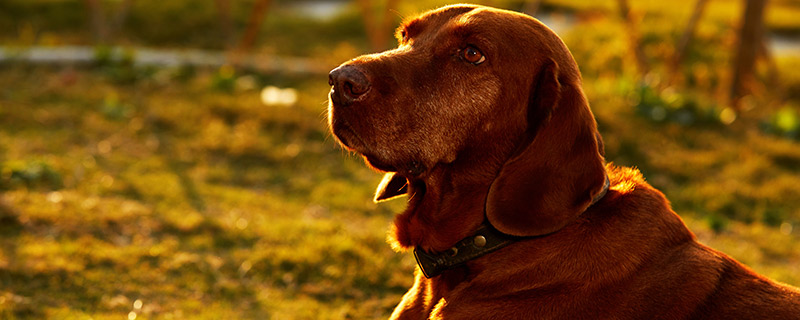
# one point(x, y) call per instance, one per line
point(479, 117)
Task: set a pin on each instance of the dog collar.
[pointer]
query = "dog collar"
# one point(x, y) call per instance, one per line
point(483, 241)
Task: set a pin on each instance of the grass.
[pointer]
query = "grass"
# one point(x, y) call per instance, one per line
point(196, 202)
point(176, 193)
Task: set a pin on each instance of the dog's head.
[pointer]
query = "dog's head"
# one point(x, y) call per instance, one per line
point(475, 87)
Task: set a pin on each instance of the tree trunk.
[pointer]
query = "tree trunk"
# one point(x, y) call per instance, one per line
point(378, 34)
point(102, 29)
point(99, 28)
point(750, 42)
point(257, 15)
point(121, 16)
point(388, 24)
point(686, 38)
point(225, 25)
point(531, 7)
point(633, 37)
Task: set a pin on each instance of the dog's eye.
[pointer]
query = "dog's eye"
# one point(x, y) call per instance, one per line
point(472, 55)
point(404, 35)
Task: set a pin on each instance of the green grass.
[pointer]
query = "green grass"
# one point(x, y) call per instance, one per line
point(197, 202)
point(176, 193)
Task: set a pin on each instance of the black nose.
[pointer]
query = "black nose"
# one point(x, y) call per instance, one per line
point(348, 83)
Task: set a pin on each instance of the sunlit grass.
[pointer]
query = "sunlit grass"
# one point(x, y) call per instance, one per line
point(179, 193)
point(198, 202)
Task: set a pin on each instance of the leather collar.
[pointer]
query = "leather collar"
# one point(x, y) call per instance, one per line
point(483, 241)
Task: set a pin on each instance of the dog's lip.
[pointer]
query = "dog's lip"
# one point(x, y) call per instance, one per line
point(376, 163)
point(348, 138)
point(351, 140)
point(344, 132)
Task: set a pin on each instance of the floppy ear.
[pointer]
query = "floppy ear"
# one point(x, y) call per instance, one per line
point(557, 169)
point(392, 186)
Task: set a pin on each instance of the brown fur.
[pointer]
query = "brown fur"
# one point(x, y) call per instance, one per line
point(512, 140)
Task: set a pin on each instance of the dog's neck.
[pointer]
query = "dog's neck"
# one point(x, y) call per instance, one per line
point(447, 204)
point(485, 240)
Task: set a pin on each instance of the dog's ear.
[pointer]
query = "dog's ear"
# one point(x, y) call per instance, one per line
point(393, 185)
point(558, 169)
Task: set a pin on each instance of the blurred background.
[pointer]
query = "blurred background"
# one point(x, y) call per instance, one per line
point(171, 160)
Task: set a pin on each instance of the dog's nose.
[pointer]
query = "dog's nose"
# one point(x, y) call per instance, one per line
point(348, 83)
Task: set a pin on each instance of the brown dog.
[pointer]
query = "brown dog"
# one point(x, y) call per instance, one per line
point(480, 118)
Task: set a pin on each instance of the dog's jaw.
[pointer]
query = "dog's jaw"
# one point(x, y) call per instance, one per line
point(436, 215)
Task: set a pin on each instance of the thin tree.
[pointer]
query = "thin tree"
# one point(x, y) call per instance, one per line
point(257, 15)
point(750, 43)
point(634, 39)
point(378, 32)
point(686, 38)
point(531, 7)
point(122, 14)
point(102, 30)
point(98, 23)
point(225, 24)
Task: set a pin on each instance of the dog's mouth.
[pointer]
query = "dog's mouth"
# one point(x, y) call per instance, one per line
point(416, 191)
point(350, 140)
point(379, 164)
point(379, 157)
point(344, 134)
